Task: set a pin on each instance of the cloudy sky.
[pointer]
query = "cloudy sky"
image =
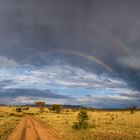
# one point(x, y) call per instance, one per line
point(78, 52)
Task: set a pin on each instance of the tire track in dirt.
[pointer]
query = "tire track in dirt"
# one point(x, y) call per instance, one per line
point(41, 130)
point(31, 129)
point(31, 133)
point(21, 129)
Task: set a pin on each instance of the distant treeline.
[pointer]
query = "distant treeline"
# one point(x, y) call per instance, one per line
point(82, 107)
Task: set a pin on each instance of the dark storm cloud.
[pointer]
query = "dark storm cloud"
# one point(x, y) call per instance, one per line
point(123, 101)
point(133, 95)
point(108, 30)
point(115, 103)
point(13, 93)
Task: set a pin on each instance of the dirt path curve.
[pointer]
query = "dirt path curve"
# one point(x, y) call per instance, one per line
point(31, 129)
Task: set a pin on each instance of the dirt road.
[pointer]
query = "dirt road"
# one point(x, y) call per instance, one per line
point(31, 129)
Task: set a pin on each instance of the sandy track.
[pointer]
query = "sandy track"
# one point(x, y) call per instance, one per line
point(31, 129)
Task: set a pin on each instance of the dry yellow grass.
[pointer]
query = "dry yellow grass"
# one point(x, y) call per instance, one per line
point(117, 125)
point(7, 122)
point(110, 125)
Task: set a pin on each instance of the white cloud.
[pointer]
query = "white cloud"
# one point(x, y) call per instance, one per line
point(70, 76)
point(63, 75)
point(67, 76)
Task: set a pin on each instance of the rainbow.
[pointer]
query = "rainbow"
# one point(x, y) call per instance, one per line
point(121, 45)
point(118, 42)
point(87, 57)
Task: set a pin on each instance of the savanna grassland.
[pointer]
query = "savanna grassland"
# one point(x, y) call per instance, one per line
point(8, 121)
point(108, 125)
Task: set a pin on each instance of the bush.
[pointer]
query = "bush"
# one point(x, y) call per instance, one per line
point(132, 109)
point(82, 121)
point(83, 125)
point(56, 108)
point(26, 108)
point(29, 113)
point(18, 109)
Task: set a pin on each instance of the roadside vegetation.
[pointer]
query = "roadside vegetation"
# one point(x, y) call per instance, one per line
point(8, 121)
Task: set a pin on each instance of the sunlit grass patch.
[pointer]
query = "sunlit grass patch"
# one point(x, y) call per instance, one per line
point(110, 125)
point(6, 126)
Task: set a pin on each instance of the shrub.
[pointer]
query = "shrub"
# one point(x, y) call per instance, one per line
point(26, 108)
point(67, 110)
point(132, 109)
point(56, 108)
point(82, 122)
point(18, 109)
point(29, 113)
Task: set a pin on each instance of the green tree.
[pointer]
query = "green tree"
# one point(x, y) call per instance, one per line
point(41, 105)
point(132, 109)
point(56, 108)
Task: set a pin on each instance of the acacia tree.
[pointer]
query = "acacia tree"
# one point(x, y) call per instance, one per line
point(56, 108)
point(132, 109)
point(41, 105)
